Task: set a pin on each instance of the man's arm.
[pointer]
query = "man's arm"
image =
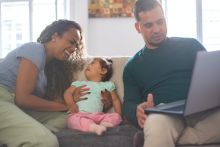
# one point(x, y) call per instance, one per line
point(132, 97)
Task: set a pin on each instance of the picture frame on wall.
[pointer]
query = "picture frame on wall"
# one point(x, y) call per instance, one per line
point(110, 8)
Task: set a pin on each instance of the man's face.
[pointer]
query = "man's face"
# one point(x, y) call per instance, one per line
point(152, 26)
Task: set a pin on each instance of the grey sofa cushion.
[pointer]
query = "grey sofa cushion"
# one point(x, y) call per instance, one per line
point(210, 145)
point(121, 136)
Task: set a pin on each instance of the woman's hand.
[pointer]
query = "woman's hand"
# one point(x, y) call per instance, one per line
point(80, 92)
point(74, 109)
point(106, 100)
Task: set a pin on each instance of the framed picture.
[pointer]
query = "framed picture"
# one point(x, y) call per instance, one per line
point(110, 8)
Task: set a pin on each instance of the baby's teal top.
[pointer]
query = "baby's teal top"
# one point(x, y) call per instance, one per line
point(93, 103)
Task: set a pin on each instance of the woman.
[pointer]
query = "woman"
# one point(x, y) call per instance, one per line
point(30, 90)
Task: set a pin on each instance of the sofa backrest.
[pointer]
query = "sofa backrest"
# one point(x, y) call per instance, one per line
point(118, 67)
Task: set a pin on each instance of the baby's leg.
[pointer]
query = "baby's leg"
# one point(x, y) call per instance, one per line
point(111, 120)
point(79, 121)
point(84, 122)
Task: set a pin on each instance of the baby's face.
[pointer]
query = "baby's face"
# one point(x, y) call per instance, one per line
point(94, 70)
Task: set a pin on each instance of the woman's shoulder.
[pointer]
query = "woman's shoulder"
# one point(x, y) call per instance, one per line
point(32, 46)
point(34, 52)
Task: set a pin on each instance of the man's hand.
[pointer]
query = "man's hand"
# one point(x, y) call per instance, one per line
point(141, 116)
point(106, 100)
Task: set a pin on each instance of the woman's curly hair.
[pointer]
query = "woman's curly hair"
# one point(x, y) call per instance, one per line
point(59, 73)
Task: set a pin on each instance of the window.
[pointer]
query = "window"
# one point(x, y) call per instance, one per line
point(12, 25)
point(23, 20)
point(181, 23)
point(194, 18)
point(211, 23)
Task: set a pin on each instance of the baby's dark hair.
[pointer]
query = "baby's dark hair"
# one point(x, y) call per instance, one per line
point(107, 64)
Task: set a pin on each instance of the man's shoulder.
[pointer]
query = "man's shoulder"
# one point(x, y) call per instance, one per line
point(190, 43)
point(132, 60)
point(136, 56)
point(182, 39)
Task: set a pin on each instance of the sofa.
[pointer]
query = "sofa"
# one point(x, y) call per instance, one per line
point(124, 135)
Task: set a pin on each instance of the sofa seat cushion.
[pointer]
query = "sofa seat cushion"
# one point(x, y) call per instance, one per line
point(210, 145)
point(139, 141)
point(121, 136)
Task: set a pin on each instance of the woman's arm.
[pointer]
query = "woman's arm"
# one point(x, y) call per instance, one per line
point(26, 80)
point(116, 102)
point(69, 100)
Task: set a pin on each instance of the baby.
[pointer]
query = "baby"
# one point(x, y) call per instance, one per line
point(87, 114)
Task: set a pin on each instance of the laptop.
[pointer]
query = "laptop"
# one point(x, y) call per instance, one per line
point(204, 90)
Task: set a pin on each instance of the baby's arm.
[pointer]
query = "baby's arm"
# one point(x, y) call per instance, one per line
point(116, 102)
point(69, 100)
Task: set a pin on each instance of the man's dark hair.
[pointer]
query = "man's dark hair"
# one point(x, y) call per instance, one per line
point(144, 5)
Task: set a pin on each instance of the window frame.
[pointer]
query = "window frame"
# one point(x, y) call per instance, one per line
point(198, 9)
point(30, 21)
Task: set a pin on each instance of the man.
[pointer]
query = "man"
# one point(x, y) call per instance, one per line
point(161, 73)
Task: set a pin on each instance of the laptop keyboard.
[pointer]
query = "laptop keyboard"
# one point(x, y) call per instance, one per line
point(177, 108)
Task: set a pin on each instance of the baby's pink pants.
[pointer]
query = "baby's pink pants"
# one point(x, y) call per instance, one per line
point(82, 120)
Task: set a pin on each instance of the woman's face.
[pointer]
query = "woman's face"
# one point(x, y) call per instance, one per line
point(66, 44)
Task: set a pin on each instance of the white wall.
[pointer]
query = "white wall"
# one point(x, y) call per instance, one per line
point(113, 36)
point(106, 36)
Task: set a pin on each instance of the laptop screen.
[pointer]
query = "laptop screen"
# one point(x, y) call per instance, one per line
point(204, 91)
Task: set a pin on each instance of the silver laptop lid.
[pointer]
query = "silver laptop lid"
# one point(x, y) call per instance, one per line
point(204, 90)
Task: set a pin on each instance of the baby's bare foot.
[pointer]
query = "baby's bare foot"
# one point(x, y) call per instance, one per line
point(98, 129)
